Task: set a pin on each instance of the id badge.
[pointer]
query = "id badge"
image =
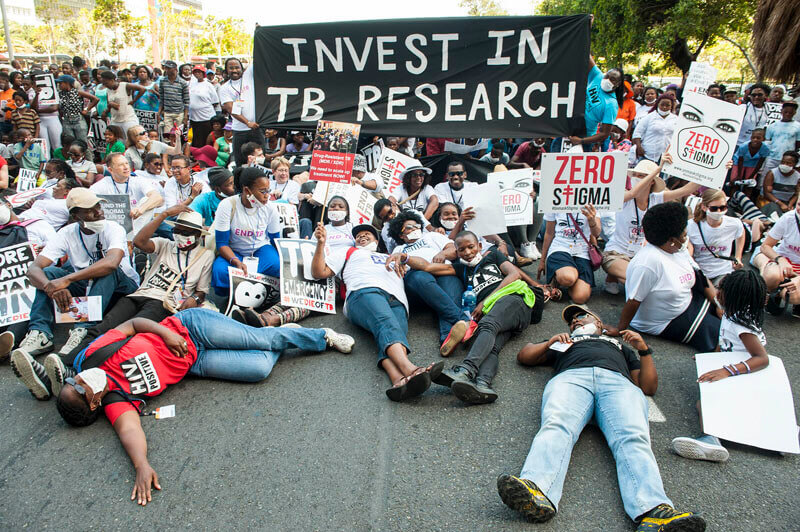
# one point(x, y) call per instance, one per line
point(178, 297)
point(238, 107)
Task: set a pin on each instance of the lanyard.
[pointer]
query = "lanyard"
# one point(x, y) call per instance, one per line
point(182, 270)
point(92, 257)
point(452, 195)
point(636, 210)
point(127, 185)
point(757, 116)
point(181, 187)
point(128, 398)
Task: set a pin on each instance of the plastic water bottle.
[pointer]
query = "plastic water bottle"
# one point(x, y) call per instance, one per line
point(468, 301)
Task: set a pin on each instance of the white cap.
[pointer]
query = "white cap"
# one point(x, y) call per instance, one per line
point(622, 124)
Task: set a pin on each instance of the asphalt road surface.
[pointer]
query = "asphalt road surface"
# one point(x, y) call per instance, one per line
point(318, 446)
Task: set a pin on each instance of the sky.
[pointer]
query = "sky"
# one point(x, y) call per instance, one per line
point(307, 11)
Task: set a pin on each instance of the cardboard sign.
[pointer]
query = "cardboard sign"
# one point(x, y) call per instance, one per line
point(97, 129)
point(298, 286)
point(515, 195)
point(81, 309)
point(359, 199)
point(48, 93)
point(566, 144)
point(27, 179)
point(288, 214)
point(334, 151)
point(487, 204)
point(300, 162)
point(704, 139)
point(754, 409)
point(117, 208)
point(372, 154)
point(149, 121)
point(20, 199)
point(774, 112)
point(463, 149)
point(700, 76)
point(16, 291)
point(254, 290)
point(570, 181)
point(390, 166)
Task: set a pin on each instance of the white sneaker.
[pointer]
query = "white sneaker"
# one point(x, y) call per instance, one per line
point(612, 288)
point(292, 325)
point(76, 336)
point(706, 447)
point(529, 250)
point(6, 344)
point(341, 342)
point(35, 343)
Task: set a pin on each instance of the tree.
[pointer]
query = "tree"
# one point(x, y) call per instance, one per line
point(89, 35)
point(115, 17)
point(223, 37)
point(51, 36)
point(483, 8)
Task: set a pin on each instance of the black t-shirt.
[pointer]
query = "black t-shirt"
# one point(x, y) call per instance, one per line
point(484, 277)
point(595, 351)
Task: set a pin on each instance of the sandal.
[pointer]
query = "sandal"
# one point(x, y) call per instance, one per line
point(418, 383)
point(555, 294)
point(254, 319)
point(398, 391)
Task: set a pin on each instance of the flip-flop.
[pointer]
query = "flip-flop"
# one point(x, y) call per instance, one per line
point(418, 384)
point(398, 393)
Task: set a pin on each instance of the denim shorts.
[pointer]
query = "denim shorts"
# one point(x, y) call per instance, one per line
point(562, 259)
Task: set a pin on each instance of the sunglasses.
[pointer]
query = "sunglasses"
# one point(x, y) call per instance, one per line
point(142, 133)
point(579, 316)
point(73, 154)
point(417, 174)
point(454, 174)
point(78, 388)
point(717, 208)
point(409, 228)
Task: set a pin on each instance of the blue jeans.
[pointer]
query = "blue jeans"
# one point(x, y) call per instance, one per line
point(381, 314)
point(306, 227)
point(42, 317)
point(269, 263)
point(620, 409)
point(230, 350)
point(442, 294)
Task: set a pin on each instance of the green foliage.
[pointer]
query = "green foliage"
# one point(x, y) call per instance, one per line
point(222, 37)
point(483, 8)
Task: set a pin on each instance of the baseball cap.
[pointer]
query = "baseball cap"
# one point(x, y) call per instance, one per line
point(65, 78)
point(570, 311)
point(199, 68)
point(622, 123)
point(169, 64)
point(189, 220)
point(83, 198)
point(365, 227)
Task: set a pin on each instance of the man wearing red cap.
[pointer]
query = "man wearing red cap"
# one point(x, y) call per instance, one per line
point(203, 106)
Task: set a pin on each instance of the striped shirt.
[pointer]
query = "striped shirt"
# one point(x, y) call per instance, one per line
point(173, 94)
point(25, 118)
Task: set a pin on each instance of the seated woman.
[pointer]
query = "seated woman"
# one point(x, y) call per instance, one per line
point(667, 295)
point(780, 186)
point(647, 189)
point(85, 170)
point(711, 234)
point(441, 293)
point(283, 187)
point(339, 228)
point(778, 260)
point(223, 146)
point(139, 145)
point(416, 193)
point(566, 246)
point(246, 225)
point(376, 301)
point(385, 211)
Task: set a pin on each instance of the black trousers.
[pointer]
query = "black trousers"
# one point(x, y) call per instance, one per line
point(200, 132)
point(242, 137)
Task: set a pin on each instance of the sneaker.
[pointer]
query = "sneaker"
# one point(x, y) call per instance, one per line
point(474, 393)
point(456, 335)
point(521, 261)
point(31, 374)
point(35, 343)
point(529, 250)
point(76, 337)
point(6, 344)
point(665, 518)
point(525, 497)
point(612, 288)
point(453, 374)
point(57, 372)
point(705, 447)
point(341, 342)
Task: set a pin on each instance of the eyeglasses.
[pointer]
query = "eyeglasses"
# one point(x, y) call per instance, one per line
point(417, 174)
point(78, 388)
point(717, 208)
point(178, 168)
point(157, 163)
point(73, 154)
point(454, 174)
point(757, 95)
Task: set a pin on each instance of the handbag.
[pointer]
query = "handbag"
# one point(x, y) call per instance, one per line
point(169, 301)
point(595, 257)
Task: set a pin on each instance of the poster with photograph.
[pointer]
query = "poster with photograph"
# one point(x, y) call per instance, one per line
point(16, 291)
point(570, 181)
point(81, 309)
point(298, 286)
point(334, 151)
point(251, 290)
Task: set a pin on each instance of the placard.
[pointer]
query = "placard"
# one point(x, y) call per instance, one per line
point(97, 129)
point(26, 180)
point(390, 165)
point(298, 286)
point(704, 139)
point(44, 145)
point(254, 290)
point(21, 198)
point(570, 181)
point(463, 149)
point(48, 92)
point(334, 151)
point(117, 208)
point(515, 194)
point(700, 76)
point(487, 204)
point(754, 409)
point(372, 154)
point(82, 309)
point(288, 215)
point(16, 291)
point(360, 200)
point(774, 112)
point(149, 121)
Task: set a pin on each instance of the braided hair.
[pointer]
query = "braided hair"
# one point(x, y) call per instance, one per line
point(745, 293)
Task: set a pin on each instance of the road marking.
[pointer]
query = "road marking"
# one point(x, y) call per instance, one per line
point(654, 413)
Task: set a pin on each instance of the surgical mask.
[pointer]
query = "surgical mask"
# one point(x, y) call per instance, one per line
point(685, 245)
point(372, 246)
point(716, 216)
point(589, 328)
point(785, 168)
point(472, 263)
point(416, 234)
point(538, 143)
point(337, 216)
point(183, 241)
point(254, 202)
point(95, 379)
point(606, 85)
point(651, 101)
point(615, 136)
point(259, 160)
point(663, 112)
point(448, 224)
point(95, 227)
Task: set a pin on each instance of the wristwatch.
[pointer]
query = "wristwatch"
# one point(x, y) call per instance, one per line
point(197, 298)
point(646, 352)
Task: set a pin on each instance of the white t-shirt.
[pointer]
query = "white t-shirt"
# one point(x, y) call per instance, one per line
point(754, 118)
point(53, 211)
point(365, 269)
point(662, 282)
point(445, 193)
point(426, 247)
point(729, 332)
point(341, 236)
point(720, 240)
point(788, 237)
point(40, 233)
point(641, 112)
point(82, 249)
point(288, 190)
point(250, 228)
point(120, 96)
point(419, 203)
point(628, 237)
point(243, 97)
point(165, 269)
point(136, 156)
point(566, 237)
point(202, 97)
point(175, 193)
point(82, 168)
point(656, 133)
point(136, 187)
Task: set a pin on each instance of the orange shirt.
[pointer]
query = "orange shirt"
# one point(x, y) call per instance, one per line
point(628, 110)
point(7, 96)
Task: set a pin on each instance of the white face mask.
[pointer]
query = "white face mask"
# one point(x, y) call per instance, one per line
point(95, 379)
point(259, 160)
point(95, 227)
point(448, 224)
point(589, 328)
point(472, 263)
point(183, 241)
point(606, 85)
point(651, 101)
point(785, 168)
point(337, 216)
point(416, 234)
point(716, 216)
point(615, 136)
point(538, 144)
point(254, 202)
point(372, 246)
point(663, 113)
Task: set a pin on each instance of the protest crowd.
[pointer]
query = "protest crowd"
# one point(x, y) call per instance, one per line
point(154, 214)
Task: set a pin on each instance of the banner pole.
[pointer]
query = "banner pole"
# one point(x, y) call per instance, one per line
point(325, 203)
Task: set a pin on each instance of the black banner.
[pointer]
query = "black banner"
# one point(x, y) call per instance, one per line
point(504, 76)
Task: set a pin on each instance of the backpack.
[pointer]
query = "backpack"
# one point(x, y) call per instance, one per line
point(14, 233)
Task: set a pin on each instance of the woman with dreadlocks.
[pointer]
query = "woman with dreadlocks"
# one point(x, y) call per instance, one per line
point(742, 295)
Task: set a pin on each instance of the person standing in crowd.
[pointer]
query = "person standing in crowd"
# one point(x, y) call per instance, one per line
point(143, 194)
point(654, 132)
point(627, 111)
point(298, 143)
point(649, 97)
point(601, 106)
point(23, 117)
point(529, 154)
point(140, 145)
point(375, 301)
point(6, 103)
point(776, 94)
point(173, 98)
point(711, 234)
point(778, 260)
point(186, 73)
point(598, 377)
point(452, 188)
point(203, 105)
point(221, 182)
point(714, 91)
point(146, 100)
point(780, 185)
point(783, 136)
point(416, 192)
point(283, 187)
point(238, 100)
point(119, 103)
point(85, 170)
point(755, 114)
point(71, 107)
point(666, 295)
point(50, 125)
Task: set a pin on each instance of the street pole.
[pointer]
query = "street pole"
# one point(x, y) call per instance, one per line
point(5, 29)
